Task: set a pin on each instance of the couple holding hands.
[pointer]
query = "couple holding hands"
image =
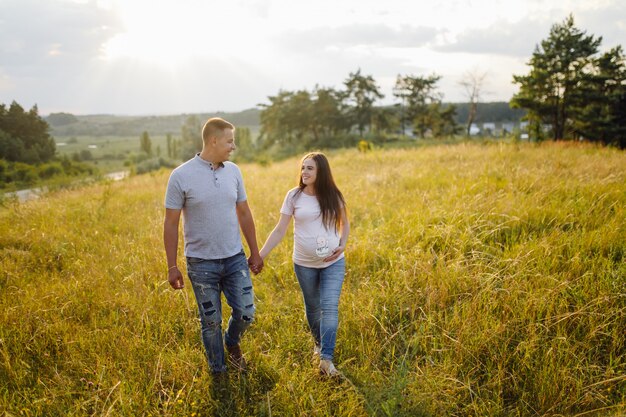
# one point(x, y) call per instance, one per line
point(209, 192)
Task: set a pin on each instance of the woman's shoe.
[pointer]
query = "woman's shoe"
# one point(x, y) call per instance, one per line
point(328, 369)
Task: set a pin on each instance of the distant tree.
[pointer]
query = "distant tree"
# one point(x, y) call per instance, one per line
point(25, 136)
point(558, 67)
point(191, 137)
point(327, 119)
point(245, 146)
point(401, 90)
point(176, 145)
point(424, 104)
point(472, 83)
point(168, 139)
point(361, 93)
point(61, 119)
point(11, 149)
point(243, 137)
point(85, 155)
point(287, 119)
point(602, 115)
point(384, 120)
point(145, 144)
point(302, 118)
point(442, 119)
point(272, 118)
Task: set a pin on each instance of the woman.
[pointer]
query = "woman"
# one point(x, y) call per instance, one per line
point(321, 231)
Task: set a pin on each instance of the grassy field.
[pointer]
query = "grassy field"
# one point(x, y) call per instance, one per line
point(109, 152)
point(482, 280)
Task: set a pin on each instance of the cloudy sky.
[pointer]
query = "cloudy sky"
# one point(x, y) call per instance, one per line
point(182, 56)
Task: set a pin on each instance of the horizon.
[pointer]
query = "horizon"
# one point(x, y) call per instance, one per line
point(214, 112)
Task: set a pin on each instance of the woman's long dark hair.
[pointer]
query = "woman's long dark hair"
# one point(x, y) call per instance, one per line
point(329, 197)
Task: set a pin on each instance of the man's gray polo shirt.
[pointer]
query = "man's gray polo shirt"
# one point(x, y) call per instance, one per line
point(207, 197)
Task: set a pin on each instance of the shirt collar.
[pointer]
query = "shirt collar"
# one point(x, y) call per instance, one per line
point(209, 164)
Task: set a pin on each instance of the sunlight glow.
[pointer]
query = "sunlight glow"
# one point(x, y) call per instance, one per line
point(171, 34)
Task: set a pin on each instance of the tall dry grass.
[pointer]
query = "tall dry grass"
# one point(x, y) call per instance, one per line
point(481, 280)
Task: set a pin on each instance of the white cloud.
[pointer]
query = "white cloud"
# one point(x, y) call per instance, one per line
point(165, 56)
point(502, 38)
point(31, 30)
point(356, 35)
point(519, 38)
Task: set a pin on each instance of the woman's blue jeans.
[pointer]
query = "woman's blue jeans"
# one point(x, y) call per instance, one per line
point(209, 279)
point(321, 288)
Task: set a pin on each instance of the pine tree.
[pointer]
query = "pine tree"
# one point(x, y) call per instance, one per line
point(362, 92)
point(558, 66)
point(146, 143)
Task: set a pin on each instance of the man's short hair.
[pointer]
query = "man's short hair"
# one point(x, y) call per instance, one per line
point(214, 125)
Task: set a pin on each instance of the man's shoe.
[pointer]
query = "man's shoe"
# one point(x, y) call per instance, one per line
point(328, 369)
point(235, 357)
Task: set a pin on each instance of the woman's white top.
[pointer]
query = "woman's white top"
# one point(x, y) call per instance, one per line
point(312, 241)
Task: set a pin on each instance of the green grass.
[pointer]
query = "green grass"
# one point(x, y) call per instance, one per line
point(109, 152)
point(481, 280)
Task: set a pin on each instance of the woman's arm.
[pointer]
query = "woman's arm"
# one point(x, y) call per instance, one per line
point(276, 236)
point(343, 240)
point(246, 223)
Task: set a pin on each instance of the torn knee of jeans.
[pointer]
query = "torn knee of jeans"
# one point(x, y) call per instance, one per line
point(246, 290)
point(213, 324)
point(248, 314)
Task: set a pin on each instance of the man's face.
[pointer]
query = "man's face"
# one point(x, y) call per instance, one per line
point(224, 144)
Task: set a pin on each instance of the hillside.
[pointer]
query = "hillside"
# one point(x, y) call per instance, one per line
point(111, 125)
point(481, 280)
point(64, 125)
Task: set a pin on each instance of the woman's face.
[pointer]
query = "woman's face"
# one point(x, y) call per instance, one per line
point(308, 171)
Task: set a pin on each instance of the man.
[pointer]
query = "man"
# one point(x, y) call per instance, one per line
point(209, 191)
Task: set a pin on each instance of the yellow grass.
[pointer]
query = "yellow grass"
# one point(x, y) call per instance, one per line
point(481, 280)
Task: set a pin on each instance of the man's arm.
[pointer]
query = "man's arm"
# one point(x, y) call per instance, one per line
point(246, 222)
point(170, 240)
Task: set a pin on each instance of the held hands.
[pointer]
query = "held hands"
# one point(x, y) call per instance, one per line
point(175, 278)
point(338, 250)
point(255, 262)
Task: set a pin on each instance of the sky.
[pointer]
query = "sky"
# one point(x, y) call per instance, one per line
point(157, 57)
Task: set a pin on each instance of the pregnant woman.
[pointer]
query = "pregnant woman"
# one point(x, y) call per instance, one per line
point(321, 231)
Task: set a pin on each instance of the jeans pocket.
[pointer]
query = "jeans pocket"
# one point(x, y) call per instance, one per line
point(192, 260)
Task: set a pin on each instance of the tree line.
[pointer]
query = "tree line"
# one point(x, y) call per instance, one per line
point(338, 117)
point(24, 135)
point(571, 92)
point(67, 125)
point(28, 152)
